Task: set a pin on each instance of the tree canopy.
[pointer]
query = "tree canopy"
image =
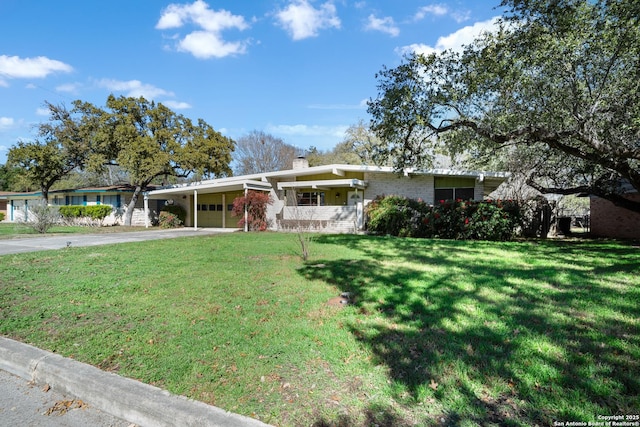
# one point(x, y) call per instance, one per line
point(148, 140)
point(58, 150)
point(555, 86)
point(136, 137)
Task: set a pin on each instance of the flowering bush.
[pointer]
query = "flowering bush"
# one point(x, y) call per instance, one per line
point(176, 210)
point(169, 220)
point(447, 219)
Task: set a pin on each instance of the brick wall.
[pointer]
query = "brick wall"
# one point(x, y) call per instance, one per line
point(608, 220)
point(414, 187)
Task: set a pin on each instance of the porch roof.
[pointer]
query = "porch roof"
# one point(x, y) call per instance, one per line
point(324, 184)
point(211, 187)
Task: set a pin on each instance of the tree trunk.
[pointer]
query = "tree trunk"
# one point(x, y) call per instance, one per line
point(128, 215)
point(45, 196)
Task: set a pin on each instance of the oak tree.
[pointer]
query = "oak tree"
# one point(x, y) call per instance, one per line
point(57, 151)
point(556, 85)
point(148, 140)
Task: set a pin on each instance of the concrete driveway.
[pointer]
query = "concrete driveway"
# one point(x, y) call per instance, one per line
point(43, 243)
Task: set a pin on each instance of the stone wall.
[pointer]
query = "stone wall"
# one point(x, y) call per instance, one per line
point(608, 220)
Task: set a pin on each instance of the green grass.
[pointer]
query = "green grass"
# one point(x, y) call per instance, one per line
point(10, 230)
point(441, 332)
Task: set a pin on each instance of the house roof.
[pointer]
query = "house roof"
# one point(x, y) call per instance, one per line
point(262, 181)
point(122, 188)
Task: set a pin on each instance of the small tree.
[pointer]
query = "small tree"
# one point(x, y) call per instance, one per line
point(42, 218)
point(255, 203)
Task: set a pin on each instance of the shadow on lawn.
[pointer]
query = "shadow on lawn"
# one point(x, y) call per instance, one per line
point(486, 342)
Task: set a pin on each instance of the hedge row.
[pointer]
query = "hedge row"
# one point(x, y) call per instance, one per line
point(447, 219)
point(95, 212)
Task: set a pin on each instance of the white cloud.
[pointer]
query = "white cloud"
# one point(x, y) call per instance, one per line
point(68, 87)
point(134, 88)
point(28, 68)
point(433, 9)
point(176, 105)
point(207, 41)
point(204, 45)
point(6, 123)
point(454, 41)
point(301, 20)
point(42, 111)
point(386, 25)
point(439, 10)
point(306, 130)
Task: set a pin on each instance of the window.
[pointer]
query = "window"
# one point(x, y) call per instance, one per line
point(453, 188)
point(311, 199)
point(111, 200)
point(453, 194)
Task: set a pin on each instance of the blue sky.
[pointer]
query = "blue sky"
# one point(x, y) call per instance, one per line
point(301, 70)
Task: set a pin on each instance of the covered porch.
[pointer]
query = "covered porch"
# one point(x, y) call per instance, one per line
point(207, 204)
point(333, 205)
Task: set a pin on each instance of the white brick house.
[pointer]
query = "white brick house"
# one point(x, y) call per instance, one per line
point(330, 197)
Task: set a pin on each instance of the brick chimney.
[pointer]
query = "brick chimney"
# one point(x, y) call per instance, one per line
point(300, 163)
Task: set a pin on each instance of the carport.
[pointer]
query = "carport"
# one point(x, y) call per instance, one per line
point(187, 196)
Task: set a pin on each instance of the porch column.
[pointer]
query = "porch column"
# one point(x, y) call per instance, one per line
point(146, 209)
point(195, 209)
point(246, 210)
point(224, 210)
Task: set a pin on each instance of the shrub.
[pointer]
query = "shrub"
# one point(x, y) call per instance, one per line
point(492, 220)
point(85, 215)
point(397, 216)
point(256, 203)
point(43, 217)
point(169, 220)
point(1, 216)
point(176, 210)
point(447, 219)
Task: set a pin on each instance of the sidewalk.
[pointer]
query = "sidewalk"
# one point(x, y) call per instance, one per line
point(123, 398)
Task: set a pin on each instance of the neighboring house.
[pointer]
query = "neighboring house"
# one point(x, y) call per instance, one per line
point(608, 220)
point(330, 197)
point(118, 196)
point(3, 203)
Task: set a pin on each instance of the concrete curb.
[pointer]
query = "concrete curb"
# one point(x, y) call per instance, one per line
point(124, 398)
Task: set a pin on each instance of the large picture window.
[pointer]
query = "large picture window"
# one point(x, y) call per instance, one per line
point(313, 198)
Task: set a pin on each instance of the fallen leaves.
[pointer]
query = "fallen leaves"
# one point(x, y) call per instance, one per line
point(63, 406)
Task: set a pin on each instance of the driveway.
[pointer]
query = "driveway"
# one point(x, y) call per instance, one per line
point(43, 243)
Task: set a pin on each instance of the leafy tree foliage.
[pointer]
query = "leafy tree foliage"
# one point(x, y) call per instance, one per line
point(9, 177)
point(58, 150)
point(148, 140)
point(260, 152)
point(556, 85)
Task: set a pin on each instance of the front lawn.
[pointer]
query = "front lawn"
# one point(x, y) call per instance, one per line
point(440, 332)
point(10, 230)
